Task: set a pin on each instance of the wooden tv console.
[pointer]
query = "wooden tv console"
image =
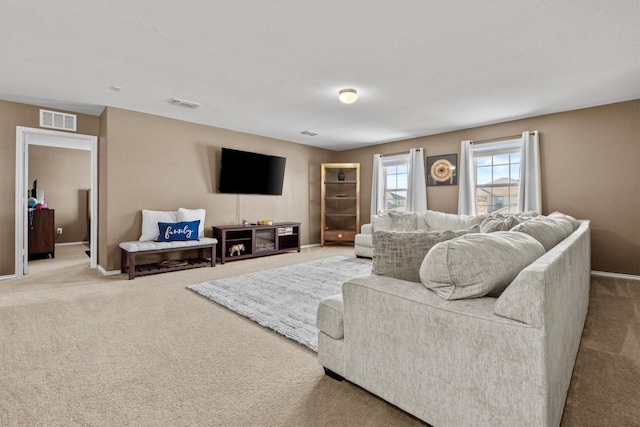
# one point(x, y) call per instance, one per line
point(250, 241)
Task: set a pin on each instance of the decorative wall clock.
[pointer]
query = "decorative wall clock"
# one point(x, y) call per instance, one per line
point(442, 170)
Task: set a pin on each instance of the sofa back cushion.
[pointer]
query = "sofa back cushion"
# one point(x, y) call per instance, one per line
point(478, 264)
point(548, 231)
point(150, 220)
point(436, 221)
point(400, 254)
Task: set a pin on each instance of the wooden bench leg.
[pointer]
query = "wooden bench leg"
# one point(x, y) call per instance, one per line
point(213, 255)
point(132, 265)
point(123, 260)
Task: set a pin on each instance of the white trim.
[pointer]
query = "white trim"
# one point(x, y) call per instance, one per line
point(71, 243)
point(108, 273)
point(614, 275)
point(32, 136)
point(7, 277)
point(313, 245)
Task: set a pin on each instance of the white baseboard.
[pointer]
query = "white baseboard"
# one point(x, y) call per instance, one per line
point(313, 245)
point(107, 273)
point(615, 275)
point(8, 276)
point(72, 243)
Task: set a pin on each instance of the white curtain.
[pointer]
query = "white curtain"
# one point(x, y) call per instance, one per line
point(466, 180)
point(416, 182)
point(377, 185)
point(530, 195)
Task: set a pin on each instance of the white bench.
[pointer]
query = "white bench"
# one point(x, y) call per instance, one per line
point(129, 250)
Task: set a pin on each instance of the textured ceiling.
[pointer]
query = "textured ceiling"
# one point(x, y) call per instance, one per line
point(274, 68)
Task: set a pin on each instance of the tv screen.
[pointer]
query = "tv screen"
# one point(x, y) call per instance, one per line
point(242, 172)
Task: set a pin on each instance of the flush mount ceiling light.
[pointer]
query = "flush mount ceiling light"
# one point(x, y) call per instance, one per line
point(348, 96)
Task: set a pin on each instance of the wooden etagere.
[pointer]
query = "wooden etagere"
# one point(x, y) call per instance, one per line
point(340, 198)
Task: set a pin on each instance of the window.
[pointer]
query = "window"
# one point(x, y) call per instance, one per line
point(497, 169)
point(396, 170)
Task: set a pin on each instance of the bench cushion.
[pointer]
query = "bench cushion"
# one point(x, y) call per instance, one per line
point(139, 246)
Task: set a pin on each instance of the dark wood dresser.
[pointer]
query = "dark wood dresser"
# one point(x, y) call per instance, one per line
point(42, 233)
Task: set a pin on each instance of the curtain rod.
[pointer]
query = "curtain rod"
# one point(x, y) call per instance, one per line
point(502, 138)
point(401, 153)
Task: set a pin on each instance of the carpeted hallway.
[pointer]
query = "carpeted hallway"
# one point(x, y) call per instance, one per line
point(78, 348)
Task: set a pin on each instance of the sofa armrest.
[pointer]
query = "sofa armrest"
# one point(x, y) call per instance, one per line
point(366, 229)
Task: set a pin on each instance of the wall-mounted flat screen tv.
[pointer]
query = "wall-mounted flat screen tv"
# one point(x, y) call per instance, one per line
point(243, 172)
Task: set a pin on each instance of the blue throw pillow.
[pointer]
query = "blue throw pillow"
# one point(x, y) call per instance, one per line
point(179, 231)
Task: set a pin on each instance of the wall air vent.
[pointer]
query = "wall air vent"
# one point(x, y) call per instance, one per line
point(309, 133)
point(56, 120)
point(184, 103)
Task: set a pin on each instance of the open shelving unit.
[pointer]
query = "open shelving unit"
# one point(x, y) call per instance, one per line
point(250, 241)
point(340, 196)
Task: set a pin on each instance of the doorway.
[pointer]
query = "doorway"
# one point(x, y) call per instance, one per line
point(26, 137)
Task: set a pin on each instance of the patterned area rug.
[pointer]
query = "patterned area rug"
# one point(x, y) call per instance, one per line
point(286, 299)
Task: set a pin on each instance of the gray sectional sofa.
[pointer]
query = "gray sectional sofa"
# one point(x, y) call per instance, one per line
point(452, 351)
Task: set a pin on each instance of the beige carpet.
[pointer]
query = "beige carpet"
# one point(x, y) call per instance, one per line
point(77, 348)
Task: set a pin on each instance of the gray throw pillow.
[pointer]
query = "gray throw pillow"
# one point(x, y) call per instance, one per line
point(548, 231)
point(559, 215)
point(403, 221)
point(478, 264)
point(400, 254)
point(491, 224)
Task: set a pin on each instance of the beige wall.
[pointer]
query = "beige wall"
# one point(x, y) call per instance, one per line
point(162, 164)
point(65, 175)
point(13, 114)
point(590, 169)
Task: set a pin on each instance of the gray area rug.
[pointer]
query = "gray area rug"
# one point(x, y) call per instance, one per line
point(286, 299)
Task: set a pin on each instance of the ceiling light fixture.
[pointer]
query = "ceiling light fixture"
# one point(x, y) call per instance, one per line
point(348, 96)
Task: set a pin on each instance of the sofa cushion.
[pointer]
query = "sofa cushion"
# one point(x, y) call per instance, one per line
point(400, 254)
point(330, 319)
point(433, 220)
point(150, 220)
point(548, 231)
point(185, 215)
point(478, 264)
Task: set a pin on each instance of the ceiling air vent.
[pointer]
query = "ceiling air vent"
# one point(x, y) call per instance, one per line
point(309, 133)
point(55, 120)
point(184, 103)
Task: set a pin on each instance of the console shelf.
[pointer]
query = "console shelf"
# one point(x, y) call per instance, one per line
point(256, 240)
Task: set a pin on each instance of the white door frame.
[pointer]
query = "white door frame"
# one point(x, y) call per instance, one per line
point(32, 136)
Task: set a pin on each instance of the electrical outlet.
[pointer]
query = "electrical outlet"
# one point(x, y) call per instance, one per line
point(59, 231)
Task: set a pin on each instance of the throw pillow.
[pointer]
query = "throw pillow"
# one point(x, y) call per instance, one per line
point(381, 222)
point(478, 264)
point(443, 221)
point(559, 215)
point(399, 254)
point(178, 231)
point(150, 220)
point(403, 221)
point(491, 224)
point(185, 215)
point(548, 231)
